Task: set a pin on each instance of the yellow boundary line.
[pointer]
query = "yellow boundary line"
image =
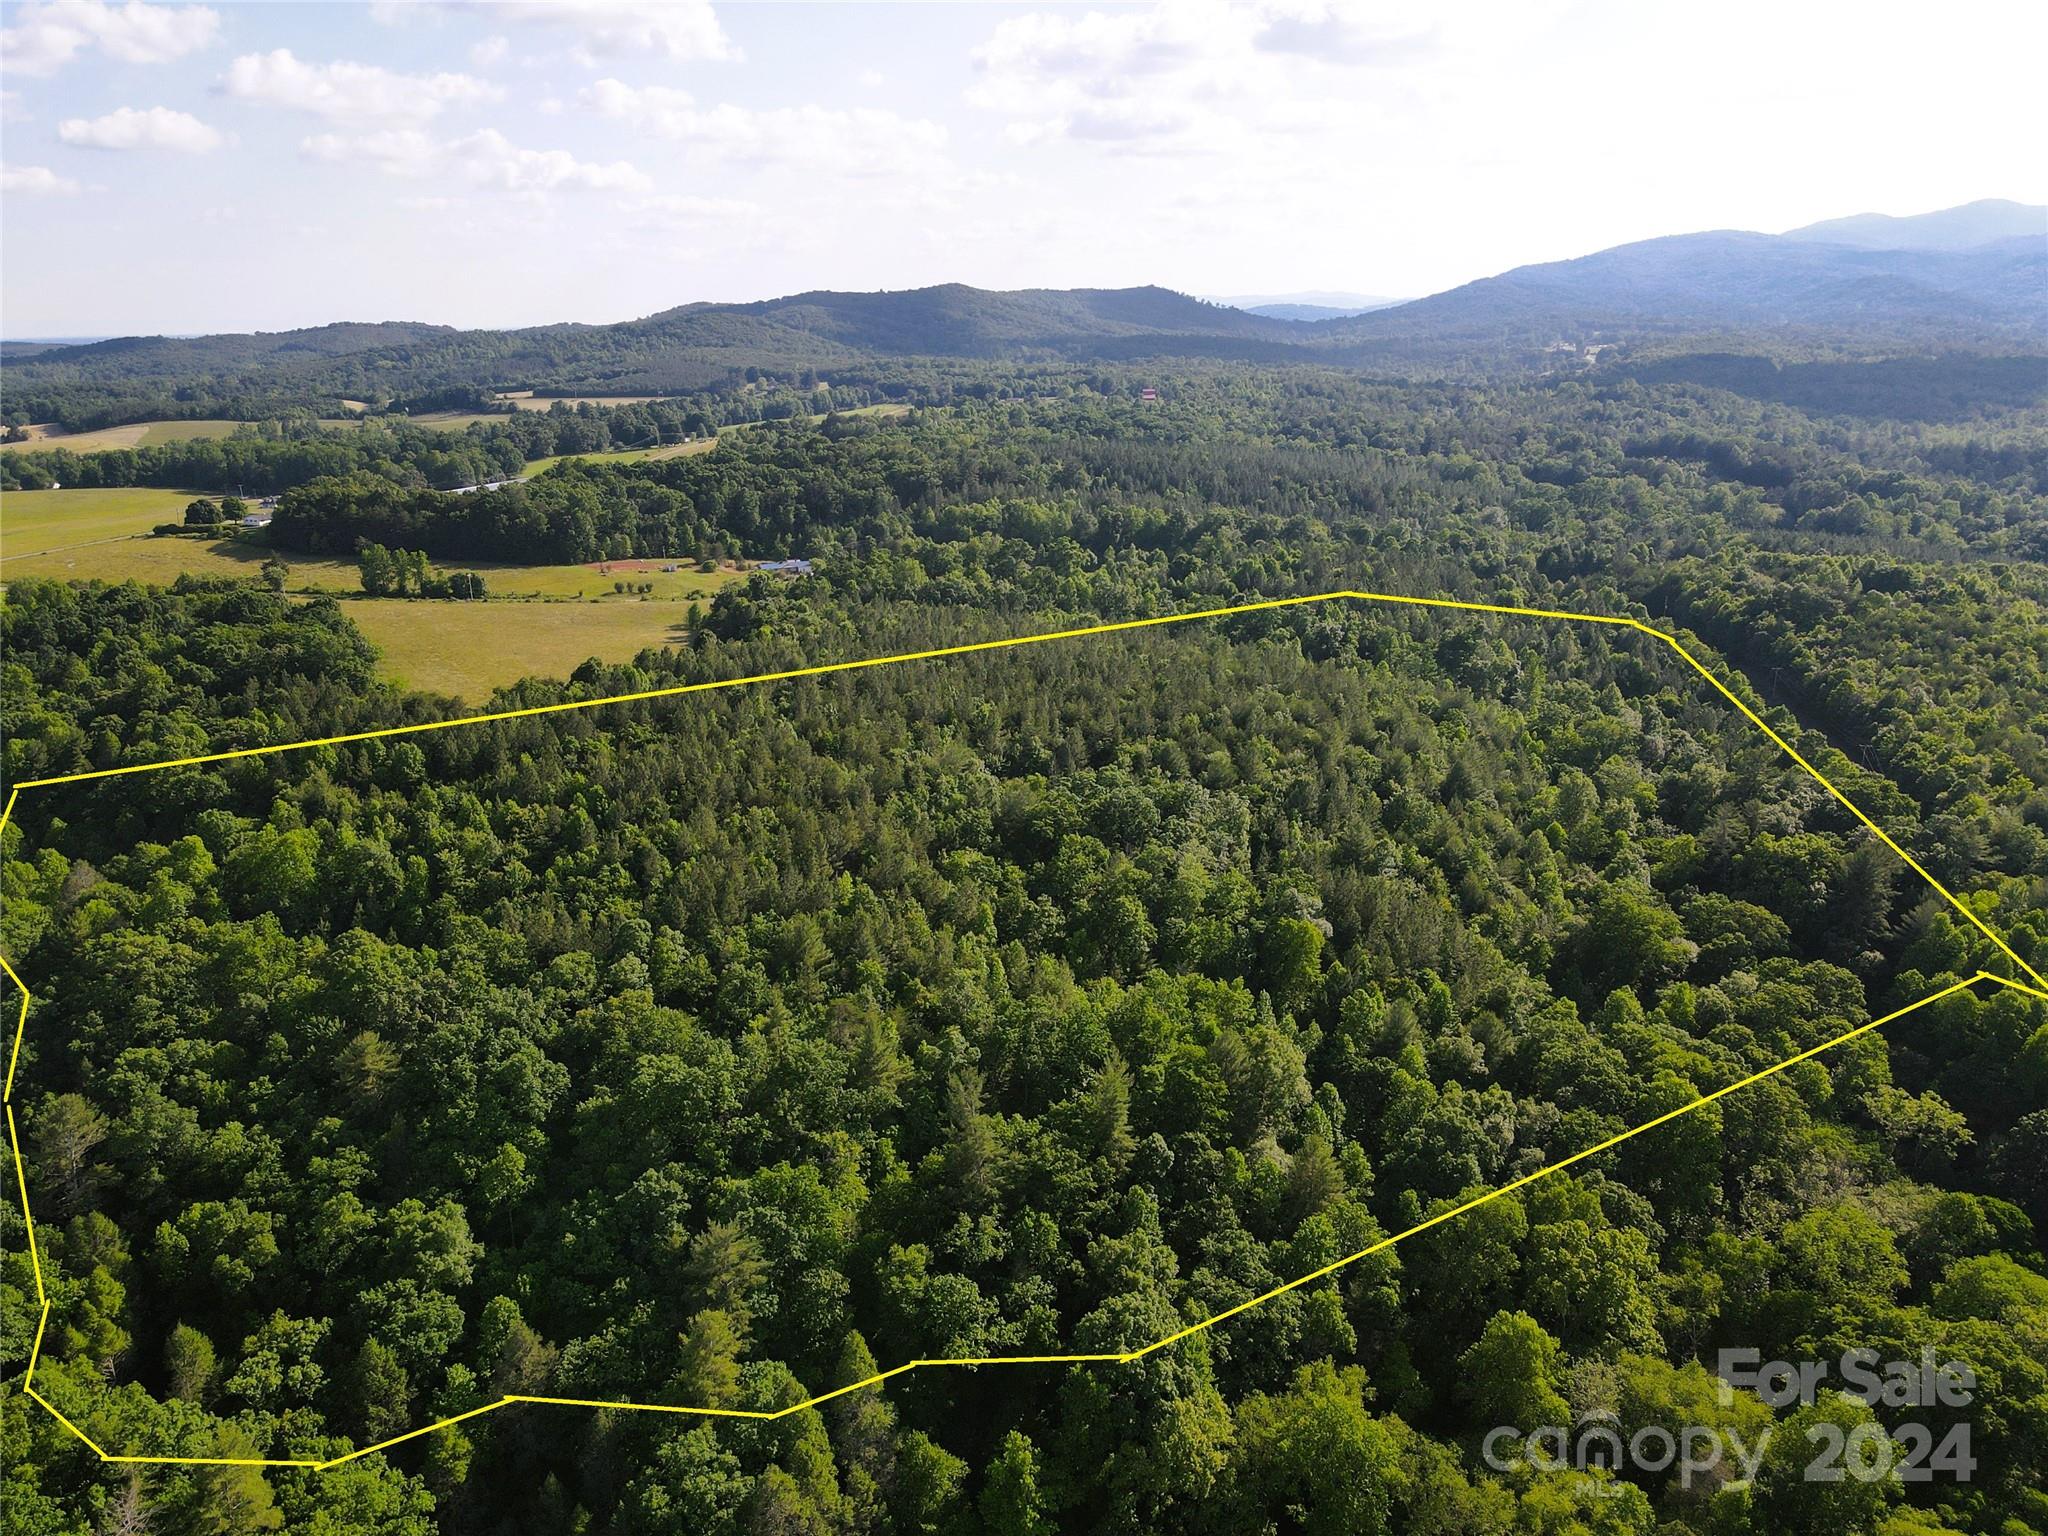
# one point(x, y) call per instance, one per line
point(2038, 990)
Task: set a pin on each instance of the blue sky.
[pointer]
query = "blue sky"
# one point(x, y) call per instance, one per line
point(239, 166)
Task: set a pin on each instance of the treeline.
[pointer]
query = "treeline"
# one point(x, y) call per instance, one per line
point(764, 492)
point(1686, 457)
point(1856, 642)
point(264, 460)
point(115, 383)
point(408, 573)
point(1953, 387)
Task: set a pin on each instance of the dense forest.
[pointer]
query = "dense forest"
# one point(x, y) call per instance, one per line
point(722, 1051)
point(1086, 460)
point(263, 457)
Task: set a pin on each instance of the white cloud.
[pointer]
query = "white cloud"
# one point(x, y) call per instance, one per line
point(1336, 33)
point(350, 91)
point(1042, 45)
point(485, 159)
point(731, 216)
point(489, 158)
point(683, 31)
point(847, 141)
point(1188, 77)
point(490, 52)
point(48, 36)
point(395, 151)
point(680, 30)
point(141, 128)
point(35, 181)
point(1132, 76)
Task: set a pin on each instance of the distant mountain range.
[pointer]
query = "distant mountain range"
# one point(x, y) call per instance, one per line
point(1319, 305)
point(1950, 229)
point(1731, 281)
point(1828, 286)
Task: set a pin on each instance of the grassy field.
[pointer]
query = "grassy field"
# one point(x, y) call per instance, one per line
point(452, 421)
point(665, 451)
point(157, 561)
point(681, 586)
point(144, 434)
point(886, 412)
point(468, 649)
point(163, 561)
point(526, 400)
point(33, 522)
point(151, 434)
point(136, 434)
point(532, 626)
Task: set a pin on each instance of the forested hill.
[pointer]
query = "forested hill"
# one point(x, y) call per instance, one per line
point(1796, 296)
point(684, 347)
point(954, 320)
point(1947, 229)
point(1734, 281)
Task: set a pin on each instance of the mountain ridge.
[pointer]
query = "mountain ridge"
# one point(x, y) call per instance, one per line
point(1964, 227)
point(1713, 285)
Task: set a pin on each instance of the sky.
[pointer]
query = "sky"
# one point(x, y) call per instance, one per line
point(183, 168)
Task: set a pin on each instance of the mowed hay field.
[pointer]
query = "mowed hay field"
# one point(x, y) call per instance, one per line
point(104, 535)
point(35, 522)
point(468, 649)
point(532, 625)
point(136, 434)
point(625, 456)
point(686, 584)
point(453, 421)
point(526, 400)
point(883, 412)
point(163, 561)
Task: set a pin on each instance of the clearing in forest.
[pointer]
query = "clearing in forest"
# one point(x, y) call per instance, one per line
point(538, 621)
point(134, 434)
point(45, 533)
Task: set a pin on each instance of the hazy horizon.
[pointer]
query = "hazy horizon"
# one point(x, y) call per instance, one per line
point(183, 169)
point(1311, 297)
